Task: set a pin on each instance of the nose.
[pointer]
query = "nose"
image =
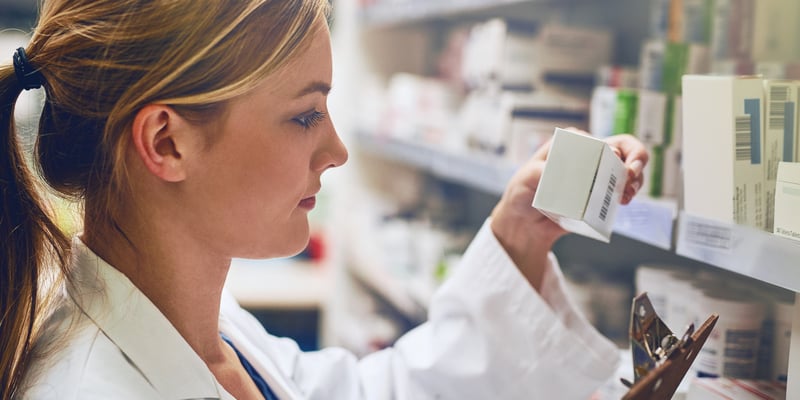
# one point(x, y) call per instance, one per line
point(332, 153)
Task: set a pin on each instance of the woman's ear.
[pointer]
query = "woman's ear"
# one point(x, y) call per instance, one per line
point(160, 138)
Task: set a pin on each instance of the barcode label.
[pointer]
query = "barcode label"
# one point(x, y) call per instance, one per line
point(778, 95)
point(743, 148)
point(709, 236)
point(612, 182)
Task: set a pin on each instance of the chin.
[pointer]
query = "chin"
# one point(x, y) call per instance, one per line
point(279, 243)
point(293, 246)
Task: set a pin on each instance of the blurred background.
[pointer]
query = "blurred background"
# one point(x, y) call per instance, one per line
point(439, 101)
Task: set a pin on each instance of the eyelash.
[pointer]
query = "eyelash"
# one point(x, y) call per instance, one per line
point(310, 119)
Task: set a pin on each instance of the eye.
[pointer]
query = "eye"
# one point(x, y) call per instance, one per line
point(310, 119)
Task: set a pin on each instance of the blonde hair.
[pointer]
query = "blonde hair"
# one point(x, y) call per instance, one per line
point(102, 61)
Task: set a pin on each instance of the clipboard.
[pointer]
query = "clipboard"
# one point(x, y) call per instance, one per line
point(660, 360)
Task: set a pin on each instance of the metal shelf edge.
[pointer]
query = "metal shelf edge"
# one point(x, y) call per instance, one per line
point(744, 250)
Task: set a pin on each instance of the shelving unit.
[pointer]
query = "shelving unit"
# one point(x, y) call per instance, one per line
point(647, 220)
point(479, 171)
point(657, 224)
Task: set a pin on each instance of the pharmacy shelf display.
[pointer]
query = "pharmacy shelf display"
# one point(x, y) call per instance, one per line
point(647, 220)
point(751, 253)
point(744, 250)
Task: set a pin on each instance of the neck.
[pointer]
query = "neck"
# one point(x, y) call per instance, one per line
point(175, 272)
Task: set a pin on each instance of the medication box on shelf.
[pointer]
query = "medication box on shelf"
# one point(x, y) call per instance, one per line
point(787, 201)
point(581, 184)
point(723, 145)
point(779, 135)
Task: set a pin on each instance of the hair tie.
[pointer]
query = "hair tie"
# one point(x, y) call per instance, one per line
point(28, 77)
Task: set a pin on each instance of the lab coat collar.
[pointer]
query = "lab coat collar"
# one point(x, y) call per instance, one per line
point(134, 324)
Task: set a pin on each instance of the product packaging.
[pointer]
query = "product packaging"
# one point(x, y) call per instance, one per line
point(787, 201)
point(723, 148)
point(779, 135)
point(581, 185)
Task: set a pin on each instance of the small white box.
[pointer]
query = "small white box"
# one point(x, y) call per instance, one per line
point(787, 201)
point(581, 184)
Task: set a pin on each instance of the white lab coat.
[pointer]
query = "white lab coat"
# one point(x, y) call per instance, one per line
point(489, 336)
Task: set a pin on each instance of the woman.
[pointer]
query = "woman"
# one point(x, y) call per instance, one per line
point(197, 131)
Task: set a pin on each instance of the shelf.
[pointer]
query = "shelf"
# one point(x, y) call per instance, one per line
point(747, 251)
point(479, 171)
point(418, 10)
point(278, 284)
point(406, 299)
point(647, 220)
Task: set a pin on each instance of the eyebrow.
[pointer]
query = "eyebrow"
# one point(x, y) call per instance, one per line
point(316, 86)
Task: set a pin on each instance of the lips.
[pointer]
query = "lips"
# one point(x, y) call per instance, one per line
point(308, 202)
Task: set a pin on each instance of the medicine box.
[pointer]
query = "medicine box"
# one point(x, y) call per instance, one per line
point(723, 145)
point(779, 135)
point(581, 185)
point(787, 201)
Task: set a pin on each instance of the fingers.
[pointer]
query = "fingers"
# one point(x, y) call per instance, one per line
point(542, 151)
point(635, 156)
point(630, 149)
point(632, 186)
point(529, 174)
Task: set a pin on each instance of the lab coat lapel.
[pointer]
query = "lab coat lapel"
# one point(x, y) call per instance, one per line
point(139, 329)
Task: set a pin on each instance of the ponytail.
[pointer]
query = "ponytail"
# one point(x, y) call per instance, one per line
point(29, 240)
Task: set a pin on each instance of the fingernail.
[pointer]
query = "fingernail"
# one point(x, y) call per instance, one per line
point(636, 186)
point(636, 167)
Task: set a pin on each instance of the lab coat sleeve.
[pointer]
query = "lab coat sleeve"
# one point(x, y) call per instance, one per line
point(489, 336)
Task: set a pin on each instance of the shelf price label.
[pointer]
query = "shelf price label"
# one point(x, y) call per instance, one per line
point(709, 235)
point(705, 240)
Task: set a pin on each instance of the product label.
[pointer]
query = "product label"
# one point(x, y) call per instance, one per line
point(612, 183)
point(753, 108)
point(788, 233)
point(788, 132)
point(743, 145)
point(708, 235)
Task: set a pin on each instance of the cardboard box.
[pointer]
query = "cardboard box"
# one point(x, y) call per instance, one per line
point(787, 201)
point(723, 148)
point(651, 117)
point(662, 64)
point(581, 185)
point(796, 146)
point(780, 102)
point(681, 20)
point(732, 29)
point(775, 30)
point(612, 111)
point(672, 181)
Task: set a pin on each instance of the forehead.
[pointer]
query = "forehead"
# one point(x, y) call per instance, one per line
point(311, 63)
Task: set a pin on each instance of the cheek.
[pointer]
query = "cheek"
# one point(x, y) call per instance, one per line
point(276, 182)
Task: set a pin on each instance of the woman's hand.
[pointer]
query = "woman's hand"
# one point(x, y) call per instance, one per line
point(525, 233)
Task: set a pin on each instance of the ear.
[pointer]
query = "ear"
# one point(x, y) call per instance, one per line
point(159, 137)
